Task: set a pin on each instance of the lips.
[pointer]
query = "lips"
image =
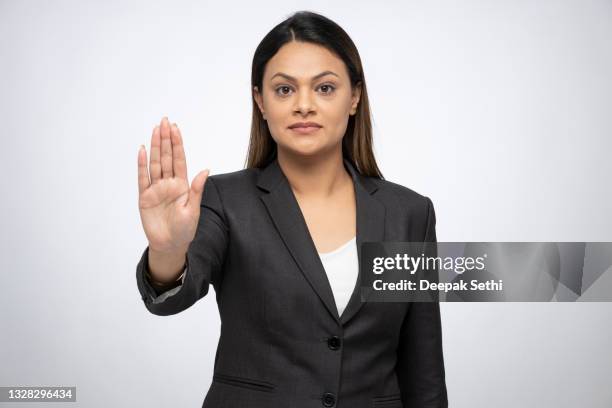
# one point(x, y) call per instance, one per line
point(304, 125)
point(305, 129)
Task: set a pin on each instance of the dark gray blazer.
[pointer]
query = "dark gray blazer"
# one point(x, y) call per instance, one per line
point(282, 343)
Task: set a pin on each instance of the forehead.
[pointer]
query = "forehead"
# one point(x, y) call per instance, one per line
point(304, 60)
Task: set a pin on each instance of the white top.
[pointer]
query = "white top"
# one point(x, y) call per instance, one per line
point(342, 268)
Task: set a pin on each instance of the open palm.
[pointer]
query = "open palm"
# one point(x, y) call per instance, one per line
point(169, 208)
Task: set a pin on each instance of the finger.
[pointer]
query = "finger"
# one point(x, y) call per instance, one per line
point(155, 165)
point(179, 163)
point(197, 188)
point(143, 174)
point(166, 149)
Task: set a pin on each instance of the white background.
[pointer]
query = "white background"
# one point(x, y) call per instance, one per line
point(500, 111)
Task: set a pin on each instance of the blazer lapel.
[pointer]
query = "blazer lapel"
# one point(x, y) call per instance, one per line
point(370, 228)
point(291, 225)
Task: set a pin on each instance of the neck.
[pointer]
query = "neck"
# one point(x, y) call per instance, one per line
point(316, 176)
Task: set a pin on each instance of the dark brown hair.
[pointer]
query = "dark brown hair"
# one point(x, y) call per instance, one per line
point(314, 28)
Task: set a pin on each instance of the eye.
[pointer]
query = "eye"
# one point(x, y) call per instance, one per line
point(330, 89)
point(281, 88)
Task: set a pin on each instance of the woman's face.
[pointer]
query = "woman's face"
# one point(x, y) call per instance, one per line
point(305, 82)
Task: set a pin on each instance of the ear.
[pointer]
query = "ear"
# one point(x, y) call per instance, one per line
point(356, 96)
point(258, 99)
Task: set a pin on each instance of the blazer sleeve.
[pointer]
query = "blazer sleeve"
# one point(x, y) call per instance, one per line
point(420, 363)
point(204, 260)
point(163, 292)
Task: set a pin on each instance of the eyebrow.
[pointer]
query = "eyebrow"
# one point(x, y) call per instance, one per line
point(290, 78)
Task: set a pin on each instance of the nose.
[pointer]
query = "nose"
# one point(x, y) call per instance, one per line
point(304, 102)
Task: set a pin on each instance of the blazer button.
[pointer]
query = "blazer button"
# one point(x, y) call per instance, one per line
point(329, 399)
point(333, 342)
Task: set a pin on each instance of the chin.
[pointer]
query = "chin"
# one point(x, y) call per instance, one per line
point(304, 151)
point(305, 145)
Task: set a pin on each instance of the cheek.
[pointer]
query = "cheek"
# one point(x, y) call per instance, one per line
point(279, 115)
point(276, 118)
point(337, 124)
point(336, 112)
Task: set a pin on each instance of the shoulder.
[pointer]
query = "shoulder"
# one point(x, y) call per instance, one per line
point(396, 195)
point(238, 179)
point(402, 193)
point(407, 208)
point(226, 193)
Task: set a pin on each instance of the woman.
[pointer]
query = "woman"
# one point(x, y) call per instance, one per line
point(279, 241)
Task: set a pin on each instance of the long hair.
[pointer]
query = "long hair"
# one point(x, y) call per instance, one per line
point(314, 28)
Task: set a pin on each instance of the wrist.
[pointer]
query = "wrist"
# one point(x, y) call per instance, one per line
point(166, 268)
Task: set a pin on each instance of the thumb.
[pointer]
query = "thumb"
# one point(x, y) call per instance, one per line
point(197, 188)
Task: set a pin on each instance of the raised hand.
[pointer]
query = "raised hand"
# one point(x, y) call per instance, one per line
point(169, 208)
